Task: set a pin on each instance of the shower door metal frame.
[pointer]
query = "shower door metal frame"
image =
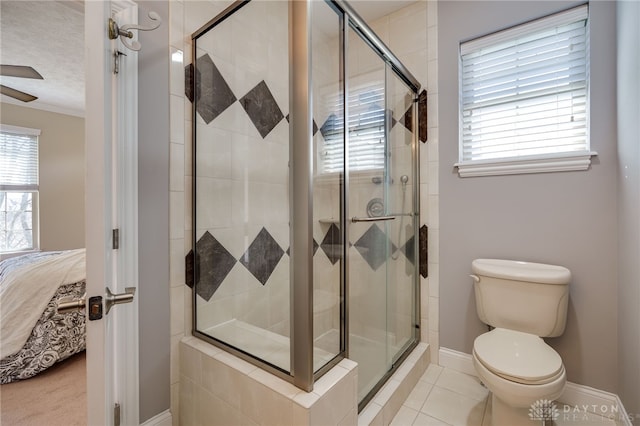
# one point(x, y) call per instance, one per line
point(304, 377)
point(360, 26)
point(301, 198)
point(301, 372)
point(354, 21)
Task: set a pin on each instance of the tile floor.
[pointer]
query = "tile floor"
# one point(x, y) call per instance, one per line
point(447, 397)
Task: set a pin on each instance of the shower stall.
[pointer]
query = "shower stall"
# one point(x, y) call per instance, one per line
point(305, 192)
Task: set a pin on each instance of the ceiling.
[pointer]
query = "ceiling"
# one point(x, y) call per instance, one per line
point(49, 36)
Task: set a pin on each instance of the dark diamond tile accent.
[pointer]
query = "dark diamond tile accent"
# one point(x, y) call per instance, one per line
point(315, 248)
point(212, 265)
point(315, 126)
point(262, 256)
point(189, 268)
point(189, 81)
point(212, 93)
point(422, 116)
point(409, 250)
point(330, 126)
point(374, 246)
point(331, 246)
point(424, 255)
point(262, 108)
point(407, 119)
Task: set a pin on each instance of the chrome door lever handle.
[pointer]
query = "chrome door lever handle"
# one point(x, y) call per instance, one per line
point(69, 304)
point(111, 299)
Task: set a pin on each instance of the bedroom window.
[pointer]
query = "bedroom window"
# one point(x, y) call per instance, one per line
point(18, 189)
point(524, 98)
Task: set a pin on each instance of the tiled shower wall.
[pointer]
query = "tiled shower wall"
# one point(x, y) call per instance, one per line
point(242, 213)
point(411, 33)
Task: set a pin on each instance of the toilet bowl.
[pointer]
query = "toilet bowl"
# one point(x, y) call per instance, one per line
point(519, 369)
point(523, 301)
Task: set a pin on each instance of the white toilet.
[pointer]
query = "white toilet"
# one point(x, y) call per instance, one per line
point(524, 302)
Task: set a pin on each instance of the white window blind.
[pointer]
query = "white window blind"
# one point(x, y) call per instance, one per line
point(366, 132)
point(18, 189)
point(524, 91)
point(18, 159)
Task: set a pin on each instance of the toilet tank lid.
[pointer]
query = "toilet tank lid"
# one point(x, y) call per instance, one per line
point(521, 271)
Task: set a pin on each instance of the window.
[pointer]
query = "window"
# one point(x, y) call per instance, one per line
point(524, 98)
point(18, 189)
point(366, 132)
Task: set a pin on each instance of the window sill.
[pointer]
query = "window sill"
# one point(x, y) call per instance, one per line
point(566, 162)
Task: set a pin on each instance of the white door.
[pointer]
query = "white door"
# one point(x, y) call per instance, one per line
point(111, 203)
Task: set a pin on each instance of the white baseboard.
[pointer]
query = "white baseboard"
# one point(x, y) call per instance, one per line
point(458, 361)
point(162, 419)
point(582, 398)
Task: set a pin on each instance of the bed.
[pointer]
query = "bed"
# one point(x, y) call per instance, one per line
point(33, 336)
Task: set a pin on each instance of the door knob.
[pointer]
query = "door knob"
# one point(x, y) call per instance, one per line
point(69, 304)
point(111, 299)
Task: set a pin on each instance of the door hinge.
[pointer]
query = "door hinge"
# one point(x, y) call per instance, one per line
point(116, 60)
point(116, 414)
point(115, 240)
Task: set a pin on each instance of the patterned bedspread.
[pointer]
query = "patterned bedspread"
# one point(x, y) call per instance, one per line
point(54, 338)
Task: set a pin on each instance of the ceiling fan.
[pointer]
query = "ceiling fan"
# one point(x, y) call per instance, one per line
point(20, 71)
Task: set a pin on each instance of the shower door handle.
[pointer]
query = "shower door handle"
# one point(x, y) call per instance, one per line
point(372, 219)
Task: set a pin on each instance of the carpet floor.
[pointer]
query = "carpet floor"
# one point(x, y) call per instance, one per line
point(55, 397)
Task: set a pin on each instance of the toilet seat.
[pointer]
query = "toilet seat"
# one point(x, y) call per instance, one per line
point(518, 357)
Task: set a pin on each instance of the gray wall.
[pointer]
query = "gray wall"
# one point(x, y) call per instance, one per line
point(567, 218)
point(153, 211)
point(629, 205)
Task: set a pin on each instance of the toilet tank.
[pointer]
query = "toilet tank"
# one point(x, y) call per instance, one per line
point(522, 296)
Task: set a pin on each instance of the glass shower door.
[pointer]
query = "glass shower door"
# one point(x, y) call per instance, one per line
point(401, 187)
point(369, 245)
point(381, 202)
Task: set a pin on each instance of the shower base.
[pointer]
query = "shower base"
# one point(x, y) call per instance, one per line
point(267, 345)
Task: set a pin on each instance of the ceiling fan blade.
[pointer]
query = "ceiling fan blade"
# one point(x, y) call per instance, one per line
point(19, 71)
point(16, 94)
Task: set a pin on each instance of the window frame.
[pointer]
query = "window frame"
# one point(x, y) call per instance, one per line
point(35, 208)
point(539, 163)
